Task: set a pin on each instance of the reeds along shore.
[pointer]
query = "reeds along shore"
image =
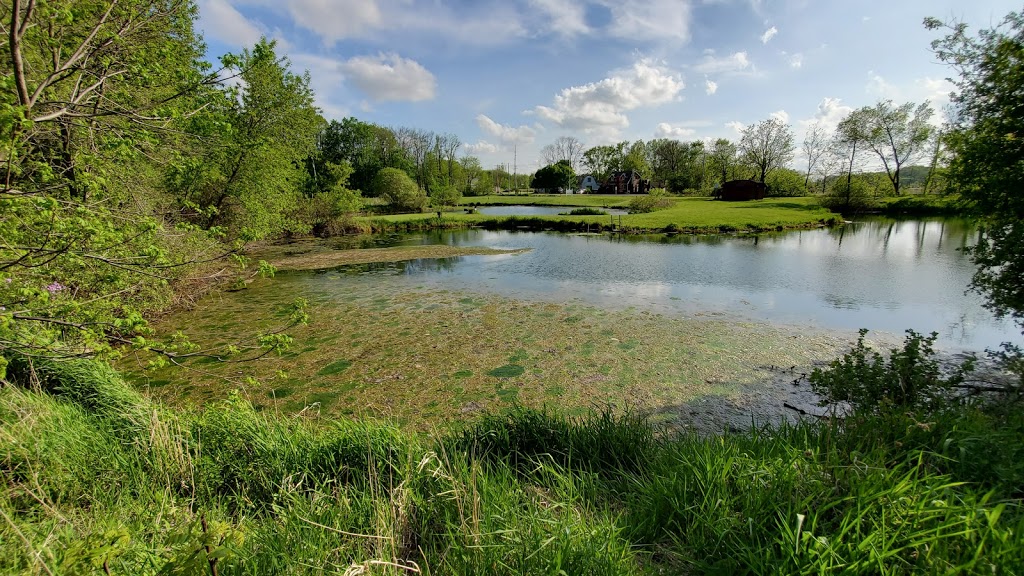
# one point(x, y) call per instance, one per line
point(97, 479)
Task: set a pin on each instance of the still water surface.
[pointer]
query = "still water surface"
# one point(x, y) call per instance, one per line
point(880, 274)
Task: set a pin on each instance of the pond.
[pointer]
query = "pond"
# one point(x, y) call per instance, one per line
point(879, 274)
point(517, 210)
point(700, 332)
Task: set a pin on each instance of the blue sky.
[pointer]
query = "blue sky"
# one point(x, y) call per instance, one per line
point(504, 74)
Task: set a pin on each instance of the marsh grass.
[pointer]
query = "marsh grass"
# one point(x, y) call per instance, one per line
point(84, 490)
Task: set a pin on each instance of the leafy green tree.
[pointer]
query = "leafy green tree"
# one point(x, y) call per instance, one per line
point(559, 175)
point(442, 197)
point(898, 135)
point(273, 125)
point(987, 143)
point(399, 191)
point(602, 160)
point(785, 182)
point(723, 160)
point(636, 159)
point(89, 92)
point(767, 145)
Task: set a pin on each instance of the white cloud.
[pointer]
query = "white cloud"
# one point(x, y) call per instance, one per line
point(220, 20)
point(506, 135)
point(736, 62)
point(335, 20)
point(666, 130)
point(796, 60)
point(878, 86)
point(736, 126)
point(566, 17)
point(481, 147)
point(390, 77)
point(781, 116)
point(769, 34)
point(710, 86)
point(830, 112)
point(599, 107)
point(649, 19)
point(325, 77)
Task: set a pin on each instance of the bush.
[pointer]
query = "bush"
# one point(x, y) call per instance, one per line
point(855, 197)
point(587, 212)
point(785, 182)
point(910, 378)
point(399, 191)
point(658, 199)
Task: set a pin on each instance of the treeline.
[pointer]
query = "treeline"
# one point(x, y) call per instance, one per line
point(871, 153)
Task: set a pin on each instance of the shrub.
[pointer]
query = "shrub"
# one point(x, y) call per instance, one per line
point(658, 199)
point(853, 197)
point(909, 378)
point(586, 211)
point(399, 191)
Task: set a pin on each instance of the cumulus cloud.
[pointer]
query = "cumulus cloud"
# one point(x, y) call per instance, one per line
point(878, 86)
point(335, 20)
point(736, 62)
point(710, 87)
point(769, 34)
point(600, 107)
point(325, 76)
point(505, 135)
point(481, 147)
point(390, 77)
point(736, 126)
point(677, 131)
point(219, 19)
point(781, 116)
point(829, 113)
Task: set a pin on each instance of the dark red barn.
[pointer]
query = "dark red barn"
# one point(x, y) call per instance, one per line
point(742, 190)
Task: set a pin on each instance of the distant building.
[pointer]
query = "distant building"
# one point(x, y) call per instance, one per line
point(742, 190)
point(626, 182)
point(589, 184)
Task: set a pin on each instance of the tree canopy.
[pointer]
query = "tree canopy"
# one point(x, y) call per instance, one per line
point(987, 143)
point(559, 175)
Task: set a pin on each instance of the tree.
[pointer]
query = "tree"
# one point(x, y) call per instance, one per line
point(601, 161)
point(566, 148)
point(851, 137)
point(898, 135)
point(723, 159)
point(636, 159)
point(93, 94)
point(815, 145)
point(767, 145)
point(261, 159)
point(399, 191)
point(986, 142)
point(559, 175)
point(443, 196)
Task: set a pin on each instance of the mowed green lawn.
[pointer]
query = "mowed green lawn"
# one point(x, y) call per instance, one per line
point(686, 214)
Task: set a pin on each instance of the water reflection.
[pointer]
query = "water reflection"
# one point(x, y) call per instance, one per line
point(881, 274)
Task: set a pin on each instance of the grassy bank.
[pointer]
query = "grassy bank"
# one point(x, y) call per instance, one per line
point(686, 215)
point(96, 479)
point(920, 205)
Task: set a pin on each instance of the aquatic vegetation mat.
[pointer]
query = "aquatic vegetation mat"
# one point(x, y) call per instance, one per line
point(423, 356)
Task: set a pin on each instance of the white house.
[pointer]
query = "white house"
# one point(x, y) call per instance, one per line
point(589, 184)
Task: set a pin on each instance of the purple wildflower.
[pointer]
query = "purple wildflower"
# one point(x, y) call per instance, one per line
point(55, 287)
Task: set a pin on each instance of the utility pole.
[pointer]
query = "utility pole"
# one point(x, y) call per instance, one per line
point(515, 165)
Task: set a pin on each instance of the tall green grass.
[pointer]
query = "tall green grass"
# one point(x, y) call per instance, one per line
point(96, 479)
